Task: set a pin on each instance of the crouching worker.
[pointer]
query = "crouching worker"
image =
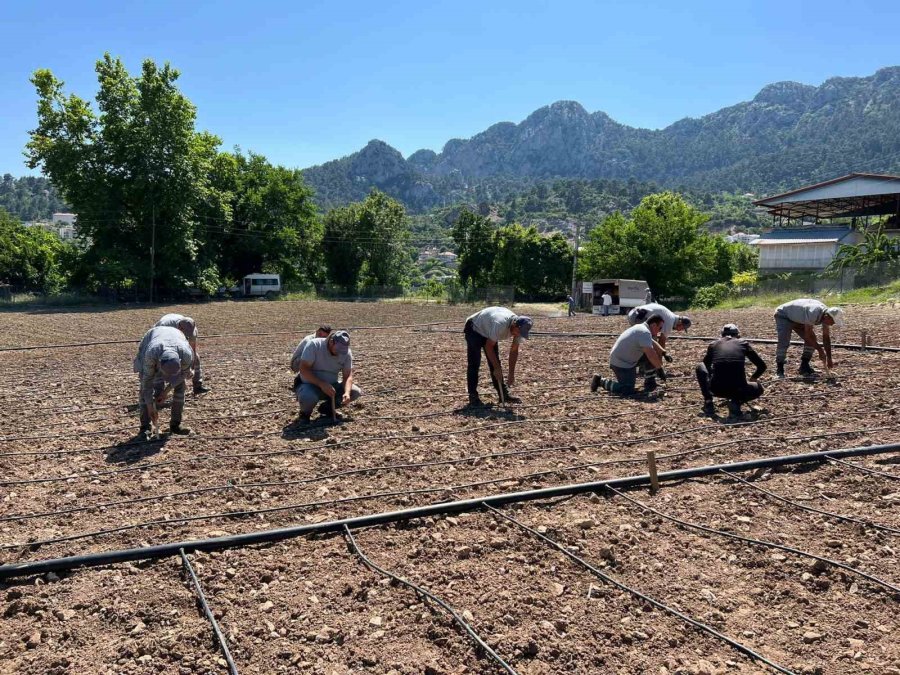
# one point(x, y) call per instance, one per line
point(801, 317)
point(634, 352)
point(322, 331)
point(322, 360)
point(722, 372)
point(164, 357)
point(189, 327)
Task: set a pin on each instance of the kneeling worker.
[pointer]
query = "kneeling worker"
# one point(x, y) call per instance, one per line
point(164, 356)
point(483, 330)
point(634, 350)
point(320, 363)
point(722, 372)
point(801, 317)
point(189, 327)
point(322, 331)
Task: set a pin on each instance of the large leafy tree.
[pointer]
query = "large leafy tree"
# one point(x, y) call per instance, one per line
point(135, 170)
point(367, 242)
point(476, 247)
point(663, 242)
point(538, 266)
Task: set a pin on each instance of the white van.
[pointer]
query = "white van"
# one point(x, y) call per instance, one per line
point(626, 294)
point(264, 285)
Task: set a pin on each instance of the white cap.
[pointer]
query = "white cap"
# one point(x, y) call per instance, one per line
point(837, 314)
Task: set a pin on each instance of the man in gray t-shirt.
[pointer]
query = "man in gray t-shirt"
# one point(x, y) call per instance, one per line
point(483, 330)
point(189, 327)
point(800, 317)
point(322, 331)
point(164, 355)
point(322, 361)
point(634, 351)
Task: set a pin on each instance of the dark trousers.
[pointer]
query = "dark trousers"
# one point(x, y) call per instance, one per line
point(475, 345)
point(737, 391)
point(177, 402)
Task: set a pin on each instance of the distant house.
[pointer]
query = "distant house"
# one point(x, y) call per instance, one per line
point(741, 237)
point(802, 249)
point(64, 218)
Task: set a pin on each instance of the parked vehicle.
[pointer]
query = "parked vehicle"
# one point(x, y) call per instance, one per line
point(258, 285)
point(626, 294)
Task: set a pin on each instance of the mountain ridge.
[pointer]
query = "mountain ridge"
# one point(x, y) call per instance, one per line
point(788, 134)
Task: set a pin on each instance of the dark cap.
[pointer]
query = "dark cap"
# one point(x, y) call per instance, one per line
point(685, 322)
point(524, 323)
point(170, 364)
point(730, 329)
point(341, 340)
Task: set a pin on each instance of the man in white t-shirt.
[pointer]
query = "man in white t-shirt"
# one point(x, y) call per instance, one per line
point(671, 321)
point(483, 330)
point(606, 299)
point(633, 351)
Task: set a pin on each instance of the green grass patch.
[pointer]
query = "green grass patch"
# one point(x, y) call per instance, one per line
point(859, 296)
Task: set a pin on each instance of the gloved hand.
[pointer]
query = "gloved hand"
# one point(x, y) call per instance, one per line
point(668, 358)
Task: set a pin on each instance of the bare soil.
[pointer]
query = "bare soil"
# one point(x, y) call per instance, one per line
point(74, 480)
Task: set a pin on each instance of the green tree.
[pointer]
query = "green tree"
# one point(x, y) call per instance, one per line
point(538, 266)
point(875, 249)
point(136, 172)
point(476, 248)
point(31, 258)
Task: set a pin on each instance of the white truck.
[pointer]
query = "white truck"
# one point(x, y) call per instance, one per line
point(258, 285)
point(626, 294)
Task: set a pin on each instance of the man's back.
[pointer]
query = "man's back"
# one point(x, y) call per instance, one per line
point(726, 359)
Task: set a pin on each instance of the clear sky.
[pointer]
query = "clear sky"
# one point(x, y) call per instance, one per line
point(303, 81)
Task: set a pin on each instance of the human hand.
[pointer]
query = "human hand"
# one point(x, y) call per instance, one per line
point(328, 390)
point(667, 357)
point(345, 399)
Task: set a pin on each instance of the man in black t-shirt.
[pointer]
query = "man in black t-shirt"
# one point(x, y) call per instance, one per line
point(722, 372)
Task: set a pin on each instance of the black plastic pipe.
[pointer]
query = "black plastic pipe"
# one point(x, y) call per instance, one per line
point(204, 605)
point(13, 570)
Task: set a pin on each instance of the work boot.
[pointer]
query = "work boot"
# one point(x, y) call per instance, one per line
point(304, 418)
point(596, 383)
point(734, 409)
point(144, 432)
point(779, 371)
point(200, 389)
point(179, 430)
point(709, 408)
point(650, 384)
point(805, 368)
point(475, 401)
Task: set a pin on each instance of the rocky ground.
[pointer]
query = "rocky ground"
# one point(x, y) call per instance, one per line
point(74, 480)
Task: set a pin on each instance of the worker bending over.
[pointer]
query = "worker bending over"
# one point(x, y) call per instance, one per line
point(722, 372)
point(671, 321)
point(164, 356)
point(635, 351)
point(801, 317)
point(483, 330)
point(322, 360)
point(189, 327)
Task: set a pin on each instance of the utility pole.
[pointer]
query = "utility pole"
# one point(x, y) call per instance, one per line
point(152, 248)
point(575, 260)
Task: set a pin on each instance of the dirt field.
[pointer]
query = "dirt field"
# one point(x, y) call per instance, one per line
point(73, 480)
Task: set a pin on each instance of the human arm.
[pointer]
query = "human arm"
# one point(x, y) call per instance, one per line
point(348, 385)
point(652, 357)
point(708, 359)
point(809, 338)
point(661, 338)
point(307, 375)
point(513, 358)
point(826, 340)
point(756, 360)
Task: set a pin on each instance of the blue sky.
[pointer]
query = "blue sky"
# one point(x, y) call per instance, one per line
point(304, 81)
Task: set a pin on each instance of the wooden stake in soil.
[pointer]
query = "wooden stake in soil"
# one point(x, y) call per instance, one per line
point(864, 338)
point(651, 469)
point(333, 410)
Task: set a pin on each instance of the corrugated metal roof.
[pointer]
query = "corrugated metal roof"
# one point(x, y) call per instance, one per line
point(856, 194)
point(780, 242)
point(808, 233)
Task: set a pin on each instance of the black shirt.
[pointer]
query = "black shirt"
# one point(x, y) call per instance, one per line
point(725, 359)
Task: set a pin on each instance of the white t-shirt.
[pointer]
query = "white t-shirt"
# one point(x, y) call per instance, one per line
point(803, 311)
point(656, 309)
point(493, 323)
point(607, 299)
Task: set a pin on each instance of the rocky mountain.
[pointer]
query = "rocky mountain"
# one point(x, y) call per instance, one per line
point(788, 135)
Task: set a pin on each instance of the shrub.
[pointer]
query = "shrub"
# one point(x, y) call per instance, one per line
point(710, 296)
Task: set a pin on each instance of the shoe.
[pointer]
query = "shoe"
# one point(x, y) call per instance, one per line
point(303, 418)
point(200, 389)
point(779, 371)
point(734, 409)
point(475, 401)
point(179, 430)
point(511, 399)
point(144, 432)
point(805, 368)
point(650, 384)
point(709, 408)
point(596, 383)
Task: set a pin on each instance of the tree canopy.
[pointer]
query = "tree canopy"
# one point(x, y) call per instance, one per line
point(32, 259)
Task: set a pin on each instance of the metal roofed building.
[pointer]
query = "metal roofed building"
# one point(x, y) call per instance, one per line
point(800, 242)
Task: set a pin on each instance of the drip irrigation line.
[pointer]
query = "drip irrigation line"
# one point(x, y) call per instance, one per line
point(155, 552)
point(811, 509)
point(218, 638)
point(612, 581)
point(865, 469)
point(757, 542)
point(462, 623)
point(701, 338)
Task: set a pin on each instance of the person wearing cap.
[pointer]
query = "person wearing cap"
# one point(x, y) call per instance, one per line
point(635, 351)
point(721, 373)
point(189, 327)
point(164, 355)
point(801, 317)
point(322, 360)
point(671, 321)
point(322, 331)
point(483, 331)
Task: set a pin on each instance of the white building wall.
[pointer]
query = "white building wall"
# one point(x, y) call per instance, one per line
point(796, 256)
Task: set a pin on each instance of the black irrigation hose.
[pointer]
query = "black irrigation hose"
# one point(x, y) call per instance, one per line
point(811, 509)
point(758, 542)
point(218, 638)
point(744, 649)
point(865, 469)
point(482, 645)
point(13, 570)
